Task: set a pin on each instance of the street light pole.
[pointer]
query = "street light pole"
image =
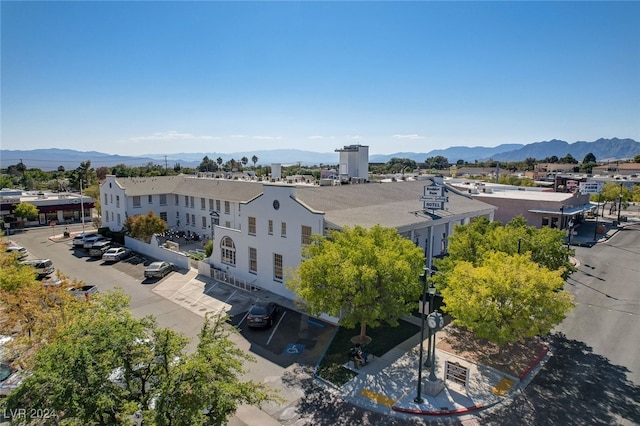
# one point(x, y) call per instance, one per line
point(595, 229)
point(432, 293)
point(423, 278)
point(81, 206)
point(619, 203)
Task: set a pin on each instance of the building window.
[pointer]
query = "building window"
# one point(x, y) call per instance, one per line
point(277, 267)
point(117, 201)
point(186, 201)
point(227, 207)
point(111, 196)
point(283, 229)
point(187, 215)
point(163, 216)
point(106, 216)
point(210, 204)
point(106, 198)
point(252, 225)
point(193, 220)
point(270, 227)
point(217, 205)
point(253, 260)
point(191, 199)
point(204, 222)
point(150, 199)
point(176, 197)
point(163, 199)
point(227, 224)
point(306, 234)
point(203, 203)
point(118, 219)
point(136, 201)
point(112, 218)
point(227, 251)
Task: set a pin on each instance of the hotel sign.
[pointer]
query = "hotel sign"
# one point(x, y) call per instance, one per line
point(433, 197)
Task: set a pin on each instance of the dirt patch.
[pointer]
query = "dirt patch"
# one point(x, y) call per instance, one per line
point(518, 357)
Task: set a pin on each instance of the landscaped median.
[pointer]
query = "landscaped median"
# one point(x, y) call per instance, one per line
point(384, 338)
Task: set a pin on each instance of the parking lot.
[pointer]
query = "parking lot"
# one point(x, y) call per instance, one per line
point(295, 337)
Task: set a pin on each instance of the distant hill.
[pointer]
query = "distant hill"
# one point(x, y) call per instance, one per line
point(51, 158)
point(603, 149)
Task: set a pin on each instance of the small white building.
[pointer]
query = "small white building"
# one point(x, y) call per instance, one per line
point(354, 163)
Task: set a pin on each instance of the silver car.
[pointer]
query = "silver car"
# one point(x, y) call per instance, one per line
point(158, 269)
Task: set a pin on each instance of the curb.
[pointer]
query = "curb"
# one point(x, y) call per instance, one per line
point(535, 362)
point(439, 413)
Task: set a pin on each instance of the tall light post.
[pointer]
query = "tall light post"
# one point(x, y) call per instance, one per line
point(619, 203)
point(561, 216)
point(595, 229)
point(81, 206)
point(432, 293)
point(423, 278)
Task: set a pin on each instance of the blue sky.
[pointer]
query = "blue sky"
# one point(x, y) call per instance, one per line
point(141, 77)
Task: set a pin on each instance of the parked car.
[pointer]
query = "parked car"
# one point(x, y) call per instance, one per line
point(91, 240)
point(158, 269)
point(262, 314)
point(78, 240)
point(115, 254)
point(10, 378)
point(99, 248)
point(19, 251)
point(43, 267)
point(84, 291)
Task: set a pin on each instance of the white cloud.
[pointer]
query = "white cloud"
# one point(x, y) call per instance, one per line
point(273, 138)
point(354, 137)
point(239, 136)
point(172, 135)
point(411, 136)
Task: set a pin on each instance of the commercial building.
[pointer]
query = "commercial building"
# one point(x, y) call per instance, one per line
point(259, 228)
point(53, 207)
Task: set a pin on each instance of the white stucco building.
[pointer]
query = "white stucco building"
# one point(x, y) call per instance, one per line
point(259, 228)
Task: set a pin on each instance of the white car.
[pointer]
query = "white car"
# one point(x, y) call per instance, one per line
point(115, 254)
point(19, 251)
point(78, 240)
point(91, 240)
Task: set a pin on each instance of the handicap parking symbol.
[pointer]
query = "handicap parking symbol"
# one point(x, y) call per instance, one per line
point(294, 348)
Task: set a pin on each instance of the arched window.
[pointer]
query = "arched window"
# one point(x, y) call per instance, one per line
point(228, 251)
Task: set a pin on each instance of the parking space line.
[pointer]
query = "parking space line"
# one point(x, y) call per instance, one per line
point(276, 328)
point(232, 294)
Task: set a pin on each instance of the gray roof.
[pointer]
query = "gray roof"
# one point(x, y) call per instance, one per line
point(221, 189)
point(393, 204)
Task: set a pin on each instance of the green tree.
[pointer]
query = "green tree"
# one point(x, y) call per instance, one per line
point(207, 165)
point(589, 158)
point(254, 160)
point(470, 243)
point(636, 158)
point(244, 161)
point(219, 161)
point(438, 162)
point(107, 364)
point(568, 159)
point(26, 211)
point(507, 298)
point(362, 276)
point(143, 227)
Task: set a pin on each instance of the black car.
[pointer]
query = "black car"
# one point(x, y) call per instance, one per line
point(262, 314)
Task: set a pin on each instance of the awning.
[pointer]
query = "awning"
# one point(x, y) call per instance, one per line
point(567, 211)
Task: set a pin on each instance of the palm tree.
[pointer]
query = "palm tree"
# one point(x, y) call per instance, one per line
point(219, 161)
point(244, 161)
point(254, 160)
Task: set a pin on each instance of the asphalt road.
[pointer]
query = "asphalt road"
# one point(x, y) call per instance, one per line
point(592, 378)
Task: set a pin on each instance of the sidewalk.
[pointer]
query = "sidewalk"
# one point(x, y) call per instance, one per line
point(388, 384)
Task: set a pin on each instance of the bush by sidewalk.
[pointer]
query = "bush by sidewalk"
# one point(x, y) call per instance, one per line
point(383, 339)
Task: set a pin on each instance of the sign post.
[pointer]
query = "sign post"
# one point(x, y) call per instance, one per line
point(53, 228)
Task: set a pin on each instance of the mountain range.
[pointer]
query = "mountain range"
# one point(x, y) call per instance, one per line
point(603, 149)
